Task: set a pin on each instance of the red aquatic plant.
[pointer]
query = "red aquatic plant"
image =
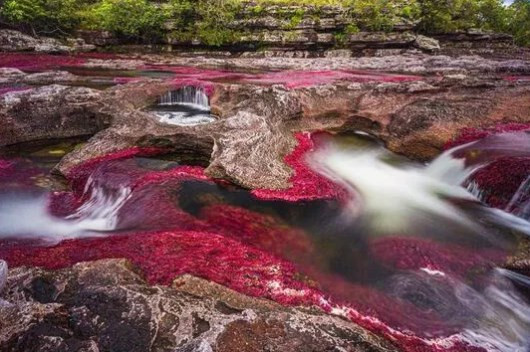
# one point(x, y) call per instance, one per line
point(250, 252)
point(301, 79)
point(306, 184)
point(6, 90)
point(500, 179)
point(33, 62)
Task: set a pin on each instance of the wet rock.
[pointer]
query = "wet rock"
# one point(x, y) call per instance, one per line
point(410, 63)
point(11, 40)
point(3, 274)
point(99, 38)
point(258, 114)
point(13, 76)
point(106, 305)
point(254, 134)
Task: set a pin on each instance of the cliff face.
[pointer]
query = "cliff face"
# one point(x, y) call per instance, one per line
point(309, 31)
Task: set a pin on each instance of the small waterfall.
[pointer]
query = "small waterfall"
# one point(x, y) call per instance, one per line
point(100, 211)
point(390, 197)
point(186, 106)
point(188, 95)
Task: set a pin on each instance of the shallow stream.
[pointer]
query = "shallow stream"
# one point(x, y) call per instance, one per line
point(408, 248)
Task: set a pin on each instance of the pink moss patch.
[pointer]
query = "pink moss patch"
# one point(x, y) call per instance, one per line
point(517, 78)
point(468, 135)
point(38, 61)
point(250, 252)
point(232, 262)
point(414, 254)
point(305, 183)
point(290, 79)
point(80, 173)
point(5, 165)
point(301, 79)
point(13, 89)
point(500, 180)
point(195, 77)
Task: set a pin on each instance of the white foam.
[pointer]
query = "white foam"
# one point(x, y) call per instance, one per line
point(29, 217)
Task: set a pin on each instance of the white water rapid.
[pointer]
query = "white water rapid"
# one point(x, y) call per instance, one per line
point(399, 197)
point(394, 197)
point(28, 215)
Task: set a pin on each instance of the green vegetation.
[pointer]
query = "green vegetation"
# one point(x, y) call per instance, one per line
point(42, 16)
point(519, 22)
point(130, 18)
point(208, 20)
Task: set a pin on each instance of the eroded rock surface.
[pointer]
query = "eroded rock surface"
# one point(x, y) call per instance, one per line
point(259, 113)
point(107, 306)
point(255, 130)
point(49, 112)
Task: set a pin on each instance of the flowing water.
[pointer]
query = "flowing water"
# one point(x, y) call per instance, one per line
point(184, 107)
point(413, 244)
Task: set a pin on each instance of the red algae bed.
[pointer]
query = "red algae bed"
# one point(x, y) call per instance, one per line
point(500, 180)
point(191, 76)
point(306, 184)
point(249, 251)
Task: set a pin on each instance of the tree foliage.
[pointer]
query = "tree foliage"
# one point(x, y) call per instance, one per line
point(129, 18)
point(519, 23)
point(443, 16)
point(43, 16)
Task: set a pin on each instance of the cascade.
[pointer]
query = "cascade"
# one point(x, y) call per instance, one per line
point(186, 95)
point(186, 106)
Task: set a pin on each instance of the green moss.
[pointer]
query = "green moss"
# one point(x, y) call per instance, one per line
point(296, 19)
point(351, 29)
point(257, 10)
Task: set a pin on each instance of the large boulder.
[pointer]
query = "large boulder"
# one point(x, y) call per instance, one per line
point(106, 305)
point(50, 112)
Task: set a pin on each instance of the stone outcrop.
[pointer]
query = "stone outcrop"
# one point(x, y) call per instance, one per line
point(13, 76)
point(49, 112)
point(309, 31)
point(259, 113)
point(11, 40)
point(106, 305)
